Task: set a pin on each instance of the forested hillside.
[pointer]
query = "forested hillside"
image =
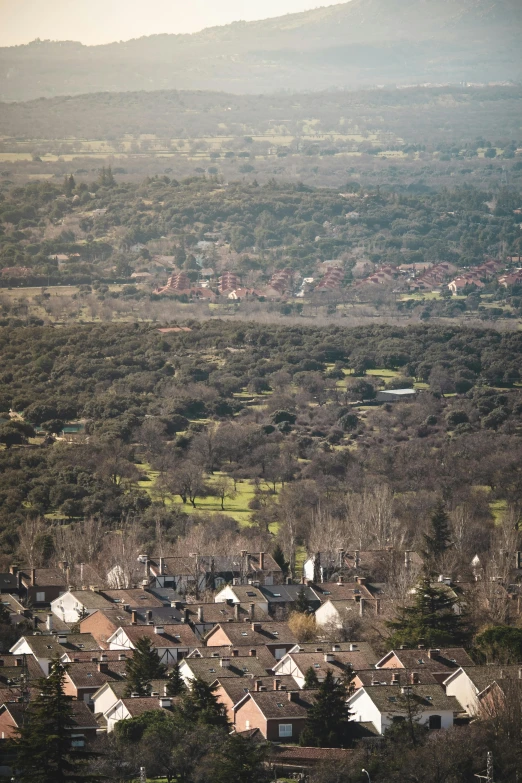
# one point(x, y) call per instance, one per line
point(361, 43)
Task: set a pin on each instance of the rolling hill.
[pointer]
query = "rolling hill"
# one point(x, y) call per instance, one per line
point(357, 44)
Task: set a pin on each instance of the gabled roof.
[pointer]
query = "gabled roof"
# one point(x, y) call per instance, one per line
point(209, 670)
point(87, 598)
point(342, 662)
point(264, 633)
point(12, 667)
point(9, 582)
point(370, 677)
point(47, 646)
point(440, 660)
point(82, 717)
point(87, 675)
point(335, 591)
point(277, 704)
point(335, 647)
point(173, 635)
point(138, 705)
point(223, 612)
point(484, 676)
point(45, 577)
point(133, 598)
point(389, 698)
point(278, 594)
point(246, 594)
point(118, 687)
point(236, 688)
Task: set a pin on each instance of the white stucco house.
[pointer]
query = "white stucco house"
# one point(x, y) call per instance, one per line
point(382, 705)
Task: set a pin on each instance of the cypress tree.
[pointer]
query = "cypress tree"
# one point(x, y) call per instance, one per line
point(327, 722)
point(175, 685)
point(301, 603)
point(311, 681)
point(438, 540)
point(43, 747)
point(142, 668)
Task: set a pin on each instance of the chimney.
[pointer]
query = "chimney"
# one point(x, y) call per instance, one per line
point(236, 612)
point(520, 672)
point(162, 565)
point(415, 679)
point(407, 559)
point(277, 685)
point(377, 606)
point(147, 567)
point(103, 667)
point(176, 605)
point(340, 553)
point(62, 565)
point(35, 621)
point(361, 580)
point(256, 627)
point(235, 653)
point(362, 602)
point(200, 614)
point(81, 574)
point(340, 581)
point(13, 570)
point(134, 617)
point(262, 561)
point(395, 678)
point(288, 580)
point(292, 696)
point(252, 653)
point(49, 623)
point(421, 647)
point(433, 653)
point(148, 615)
point(356, 559)
point(353, 647)
point(186, 614)
point(159, 630)
point(61, 638)
point(329, 657)
point(257, 686)
point(165, 702)
point(225, 663)
point(251, 610)
point(33, 577)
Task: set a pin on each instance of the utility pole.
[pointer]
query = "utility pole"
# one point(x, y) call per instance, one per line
point(143, 775)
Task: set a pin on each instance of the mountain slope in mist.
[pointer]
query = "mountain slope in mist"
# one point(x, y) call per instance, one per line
point(355, 44)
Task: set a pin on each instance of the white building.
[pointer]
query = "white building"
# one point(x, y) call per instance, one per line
point(383, 705)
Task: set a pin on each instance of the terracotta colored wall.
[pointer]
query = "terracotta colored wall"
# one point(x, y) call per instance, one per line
point(7, 726)
point(100, 627)
point(218, 639)
point(249, 711)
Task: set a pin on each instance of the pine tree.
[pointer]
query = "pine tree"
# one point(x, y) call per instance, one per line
point(311, 681)
point(438, 540)
point(69, 184)
point(430, 620)
point(142, 668)
point(175, 685)
point(241, 760)
point(43, 747)
point(200, 705)
point(327, 722)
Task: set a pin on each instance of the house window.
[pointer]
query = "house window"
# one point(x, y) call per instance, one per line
point(435, 722)
point(247, 724)
point(78, 741)
point(285, 729)
point(279, 653)
point(40, 597)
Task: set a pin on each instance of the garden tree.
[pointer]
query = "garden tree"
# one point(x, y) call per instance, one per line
point(187, 481)
point(241, 759)
point(311, 681)
point(360, 390)
point(201, 706)
point(43, 746)
point(142, 668)
point(438, 540)
point(430, 619)
point(175, 685)
point(223, 488)
point(328, 720)
point(500, 644)
point(14, 432)
point(303, 626)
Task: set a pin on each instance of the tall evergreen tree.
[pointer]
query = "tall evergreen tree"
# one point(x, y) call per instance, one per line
point(200, 705)
point(241, 760)
point(430, 620)
point(301, 603)
point(175, 685)
point(438, 540)
point(279, 557)
point(311, 680)
point(327, 722)
point(142, 668)
point(43, 747)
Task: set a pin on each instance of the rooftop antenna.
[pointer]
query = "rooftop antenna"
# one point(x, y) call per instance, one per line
point(488, 777)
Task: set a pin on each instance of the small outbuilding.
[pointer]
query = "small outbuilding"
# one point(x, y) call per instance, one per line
point(396, 395)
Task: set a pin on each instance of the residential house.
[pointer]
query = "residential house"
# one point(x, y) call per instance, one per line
point(102, 623)
point(321, 647)
point(72, 605)
point(280, 716)
point(288, 761)
point(339, 663)
point(11, 582)
point(470, 685)
point(396, 395)
point(366, 677)
point(226, 651)
point(83, 730)
point(112, 691)
point(242, 594)
point(231, 690)
point(83, 679)
point(284, 596)
point(441, 662)
point(17, 676)
point(203, 617)
point(210, 669)
point(46, 647)
point(375, 563)
point(134, 707)
point(40, 586)
point(277, 637)
point(171, 642)
point(341, 613)
point(383, 705)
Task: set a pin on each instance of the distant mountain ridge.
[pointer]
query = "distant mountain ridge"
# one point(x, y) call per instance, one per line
point(356, 44)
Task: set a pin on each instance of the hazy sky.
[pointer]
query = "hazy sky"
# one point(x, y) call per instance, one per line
point(103, 21)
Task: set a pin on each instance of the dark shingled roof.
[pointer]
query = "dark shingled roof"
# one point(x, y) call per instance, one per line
point(266, 633)
point(388, 698)
point(210, 670)
point(277, 704)
point(444, 659)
